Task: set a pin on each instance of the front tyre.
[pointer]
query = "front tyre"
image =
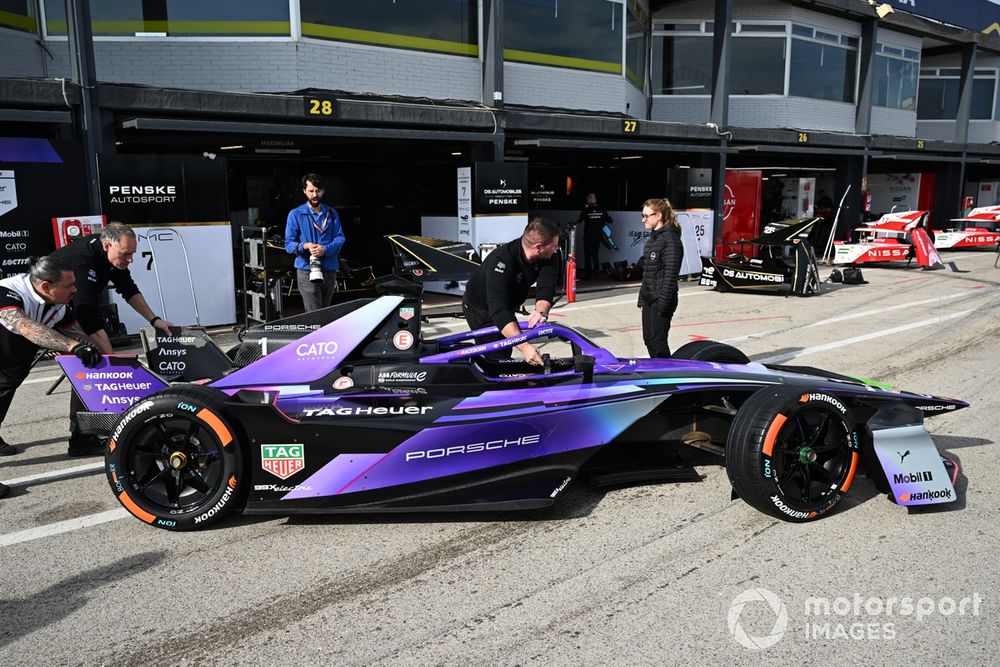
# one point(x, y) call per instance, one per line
point(710, 350)
point(175, 461)
point(793, 453)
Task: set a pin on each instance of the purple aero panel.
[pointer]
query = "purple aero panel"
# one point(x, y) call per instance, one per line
point(110, 387)
point(600, 355)
point(313, 356)
point(337, 474)
point(543, 395)
point(451, 450)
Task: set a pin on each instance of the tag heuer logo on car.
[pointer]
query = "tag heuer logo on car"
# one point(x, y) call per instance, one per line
point(406, 313)
point(282, 461)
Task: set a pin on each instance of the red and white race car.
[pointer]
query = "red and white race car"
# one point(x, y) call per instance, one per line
point(895, 237)
point(979, 229)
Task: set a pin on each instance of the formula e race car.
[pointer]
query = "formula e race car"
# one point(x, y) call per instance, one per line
point(786, 260)
point(350, 409)
point(440, 266)
point(895, 237)
point(979, 229)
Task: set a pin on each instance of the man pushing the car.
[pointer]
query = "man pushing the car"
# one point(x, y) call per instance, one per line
point(501, 284)
point(96, 260)
point(32, 306)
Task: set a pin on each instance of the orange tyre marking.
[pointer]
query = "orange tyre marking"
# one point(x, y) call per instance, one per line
point(216, 425)
point(772, 433)
point(850, 473)
point(135, 509)
point(112, 444)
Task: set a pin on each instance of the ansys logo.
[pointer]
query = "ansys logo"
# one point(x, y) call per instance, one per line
point(750, 597)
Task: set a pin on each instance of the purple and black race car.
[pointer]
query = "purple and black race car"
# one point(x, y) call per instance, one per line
point(349, 409)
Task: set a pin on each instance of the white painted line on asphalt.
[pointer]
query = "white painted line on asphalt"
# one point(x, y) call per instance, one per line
point(62, 527)
point(632, 301)
point(899, 306)
point(55, 474)
point(854, 316)
point(45, 378)
point(778, 358)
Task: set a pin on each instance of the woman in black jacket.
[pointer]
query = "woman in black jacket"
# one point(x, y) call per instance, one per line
point(661, 264)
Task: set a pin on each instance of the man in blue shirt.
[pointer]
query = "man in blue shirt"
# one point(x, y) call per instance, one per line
point(313, 235)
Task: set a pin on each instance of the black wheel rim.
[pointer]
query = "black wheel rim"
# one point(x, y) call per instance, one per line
point(812, 456)
point(175, 464)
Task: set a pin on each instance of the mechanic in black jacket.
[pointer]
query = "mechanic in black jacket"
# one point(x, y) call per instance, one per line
point(501, 284)
point(98, 259)
point(661, 264)
point(32, 308)
point(593, 218)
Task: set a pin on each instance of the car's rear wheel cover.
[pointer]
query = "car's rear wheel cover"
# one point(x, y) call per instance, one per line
point(174, 460)
point(793, 453)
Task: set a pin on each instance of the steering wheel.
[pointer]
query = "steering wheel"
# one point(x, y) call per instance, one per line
point(546, 364)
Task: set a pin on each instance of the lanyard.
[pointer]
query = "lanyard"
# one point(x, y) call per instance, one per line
point(326, 219)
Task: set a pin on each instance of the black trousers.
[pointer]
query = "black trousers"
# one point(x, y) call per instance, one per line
point(475, 321)
point(10, 380)
point(591, 254)
point(654, 333)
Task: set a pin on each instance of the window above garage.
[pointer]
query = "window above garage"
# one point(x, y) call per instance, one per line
point(442, 26)
point(177, 18)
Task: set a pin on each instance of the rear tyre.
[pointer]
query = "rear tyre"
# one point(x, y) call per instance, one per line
point(175, 460)
point(709, 350)
point(792, 453)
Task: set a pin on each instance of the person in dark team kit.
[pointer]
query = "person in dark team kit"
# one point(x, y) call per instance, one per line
point(662, 257)
point(501, 284)
point(98, 259)
point(593, 218)
point(33, 306)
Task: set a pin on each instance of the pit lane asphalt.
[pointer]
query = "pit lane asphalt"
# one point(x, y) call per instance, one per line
point(646, 574)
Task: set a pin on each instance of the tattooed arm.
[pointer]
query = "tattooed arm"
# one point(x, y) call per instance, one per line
point(17, 322)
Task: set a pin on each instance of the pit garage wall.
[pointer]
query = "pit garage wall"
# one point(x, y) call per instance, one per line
point(774, 111)
point(20, 56)
point(980, 131)
point(628, 233)
point(278, 66)
point(282, 66)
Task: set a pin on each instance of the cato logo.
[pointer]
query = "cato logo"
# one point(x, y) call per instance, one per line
point(282, 461)
point(315, 351)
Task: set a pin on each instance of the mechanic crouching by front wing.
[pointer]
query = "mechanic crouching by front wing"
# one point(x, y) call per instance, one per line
point(32, 306)
point(501, 284)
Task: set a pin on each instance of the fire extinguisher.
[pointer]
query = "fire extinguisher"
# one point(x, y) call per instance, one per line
point(571, 267)
point(72, 230)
